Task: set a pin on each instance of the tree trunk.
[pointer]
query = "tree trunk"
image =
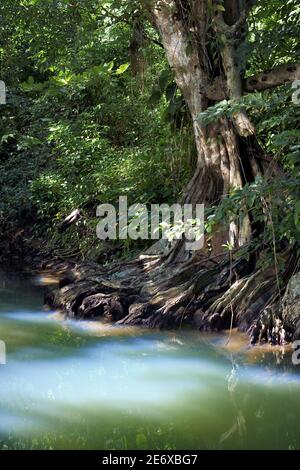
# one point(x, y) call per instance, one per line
point(222, 163)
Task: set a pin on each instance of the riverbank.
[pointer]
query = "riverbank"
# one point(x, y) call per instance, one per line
point(88, 291)
point(119, 294)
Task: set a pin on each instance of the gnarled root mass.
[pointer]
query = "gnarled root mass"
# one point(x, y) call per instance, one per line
point(200, 292)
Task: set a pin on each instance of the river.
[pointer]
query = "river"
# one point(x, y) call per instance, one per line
point(86, 385)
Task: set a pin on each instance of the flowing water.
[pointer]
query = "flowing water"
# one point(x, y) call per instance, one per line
point(85, 385)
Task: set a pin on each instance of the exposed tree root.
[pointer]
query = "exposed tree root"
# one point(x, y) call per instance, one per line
point(155, 294)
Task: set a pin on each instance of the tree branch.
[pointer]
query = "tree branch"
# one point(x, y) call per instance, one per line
point(280, 75)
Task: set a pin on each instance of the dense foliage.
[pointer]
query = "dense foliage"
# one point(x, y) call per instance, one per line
point(79, 128)
point(93, 113)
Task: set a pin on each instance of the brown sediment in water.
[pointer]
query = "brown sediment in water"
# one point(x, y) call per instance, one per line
point(232, 342)
point(238, 342)
point(235, 341)
point(98, 327)
point(46, 279)
point(259, 351)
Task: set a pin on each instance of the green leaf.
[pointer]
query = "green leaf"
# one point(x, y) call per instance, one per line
point(122, 69)
point(6, 137)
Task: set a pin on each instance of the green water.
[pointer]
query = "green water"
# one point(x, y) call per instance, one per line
point(81, 385)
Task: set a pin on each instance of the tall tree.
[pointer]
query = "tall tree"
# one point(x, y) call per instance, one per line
point(204, 42)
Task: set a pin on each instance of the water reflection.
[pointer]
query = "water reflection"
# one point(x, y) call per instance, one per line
point(86, 385)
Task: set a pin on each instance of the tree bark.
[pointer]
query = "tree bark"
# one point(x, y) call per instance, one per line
point(281, 75)
point(278, 76)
